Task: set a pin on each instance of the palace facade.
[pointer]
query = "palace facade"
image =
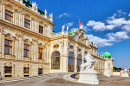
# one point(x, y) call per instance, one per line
point(28, 46)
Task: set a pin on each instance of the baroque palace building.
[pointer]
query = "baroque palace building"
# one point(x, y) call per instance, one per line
point(29, 47)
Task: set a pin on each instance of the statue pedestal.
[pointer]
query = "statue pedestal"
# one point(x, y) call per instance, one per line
point(125, 74)
point(88, 77)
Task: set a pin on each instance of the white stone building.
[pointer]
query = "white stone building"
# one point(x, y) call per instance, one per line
point(29, 47)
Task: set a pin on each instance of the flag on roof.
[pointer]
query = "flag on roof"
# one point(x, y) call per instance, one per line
point(79, 23)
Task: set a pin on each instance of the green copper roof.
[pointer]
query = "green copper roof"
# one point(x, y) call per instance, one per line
point(29, 5)
point(107, 55)
point(72, 33)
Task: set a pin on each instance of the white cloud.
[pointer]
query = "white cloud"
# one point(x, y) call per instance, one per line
point(118, 35)
point(117, 22)
point(70, 24)
point(100, 41)
point(127, 26)
point(129, 14)
point(96, 25)
point(99, 25)
point(64, 14)
point(120, 12)
point(110, 40)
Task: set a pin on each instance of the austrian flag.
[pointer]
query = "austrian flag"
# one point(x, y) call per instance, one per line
point(79, 23)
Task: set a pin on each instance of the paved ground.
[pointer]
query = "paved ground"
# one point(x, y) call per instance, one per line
point(57, 80)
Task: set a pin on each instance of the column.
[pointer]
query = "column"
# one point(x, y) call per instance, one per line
point(75, 54)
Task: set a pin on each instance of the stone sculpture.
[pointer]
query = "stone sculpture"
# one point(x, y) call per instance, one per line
point(87, 73)
point(63, 27)
point(125, 73)
point(67, 27)
point(88, 66)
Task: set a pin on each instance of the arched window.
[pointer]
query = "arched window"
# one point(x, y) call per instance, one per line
point(71, 62)
point(55, 60)
point(79, 62)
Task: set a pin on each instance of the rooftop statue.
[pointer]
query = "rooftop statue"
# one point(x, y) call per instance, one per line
point(34, 4)
point(45, 12)
point(63, 27)
point(67, 27)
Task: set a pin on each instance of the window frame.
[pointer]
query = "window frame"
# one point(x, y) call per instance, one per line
point(24, 70)
point(40, 29)
point(40, 53)
point(9, 69)
point(26, 22)
point(27, 49)
point(55, 60)
point(8, 46)
point(9, 16)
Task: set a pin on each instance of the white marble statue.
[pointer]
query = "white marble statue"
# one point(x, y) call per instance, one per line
point(34, 4)
point(125, 73)
point(89, 64)
point(87, 73)
point(63, 27)
point(67, 27)
point(45, 12)
point(51, 15)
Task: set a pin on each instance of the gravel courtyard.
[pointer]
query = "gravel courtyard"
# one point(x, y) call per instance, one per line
point(57, 80)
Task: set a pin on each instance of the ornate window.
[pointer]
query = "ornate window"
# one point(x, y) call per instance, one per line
point(27, 23)
point(40, 53)
point(79, 62)
point(26, 70)
point(8, 47)
point(8, 15)
point(26, 50)
point(41, 29)
point(55, 60)
point(8, 69)
point(71, 62)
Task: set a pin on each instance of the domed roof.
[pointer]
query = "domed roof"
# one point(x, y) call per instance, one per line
point(107, 55)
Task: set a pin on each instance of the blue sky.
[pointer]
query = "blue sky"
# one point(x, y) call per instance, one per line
point(106, 22)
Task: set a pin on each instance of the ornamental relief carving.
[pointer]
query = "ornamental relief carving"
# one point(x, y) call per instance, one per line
point(8, 7)
point(41, 45)
point(9, 36)
point(9, 64)
point(27, 41)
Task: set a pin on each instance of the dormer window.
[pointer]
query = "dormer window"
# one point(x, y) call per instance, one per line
point(27, 23)
point(8, 15)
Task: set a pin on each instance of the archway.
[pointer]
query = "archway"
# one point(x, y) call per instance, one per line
point(71, 62)
point(79, 62)
point(55, 60)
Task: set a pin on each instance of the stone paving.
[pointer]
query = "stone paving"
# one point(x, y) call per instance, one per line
point(57, 80)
